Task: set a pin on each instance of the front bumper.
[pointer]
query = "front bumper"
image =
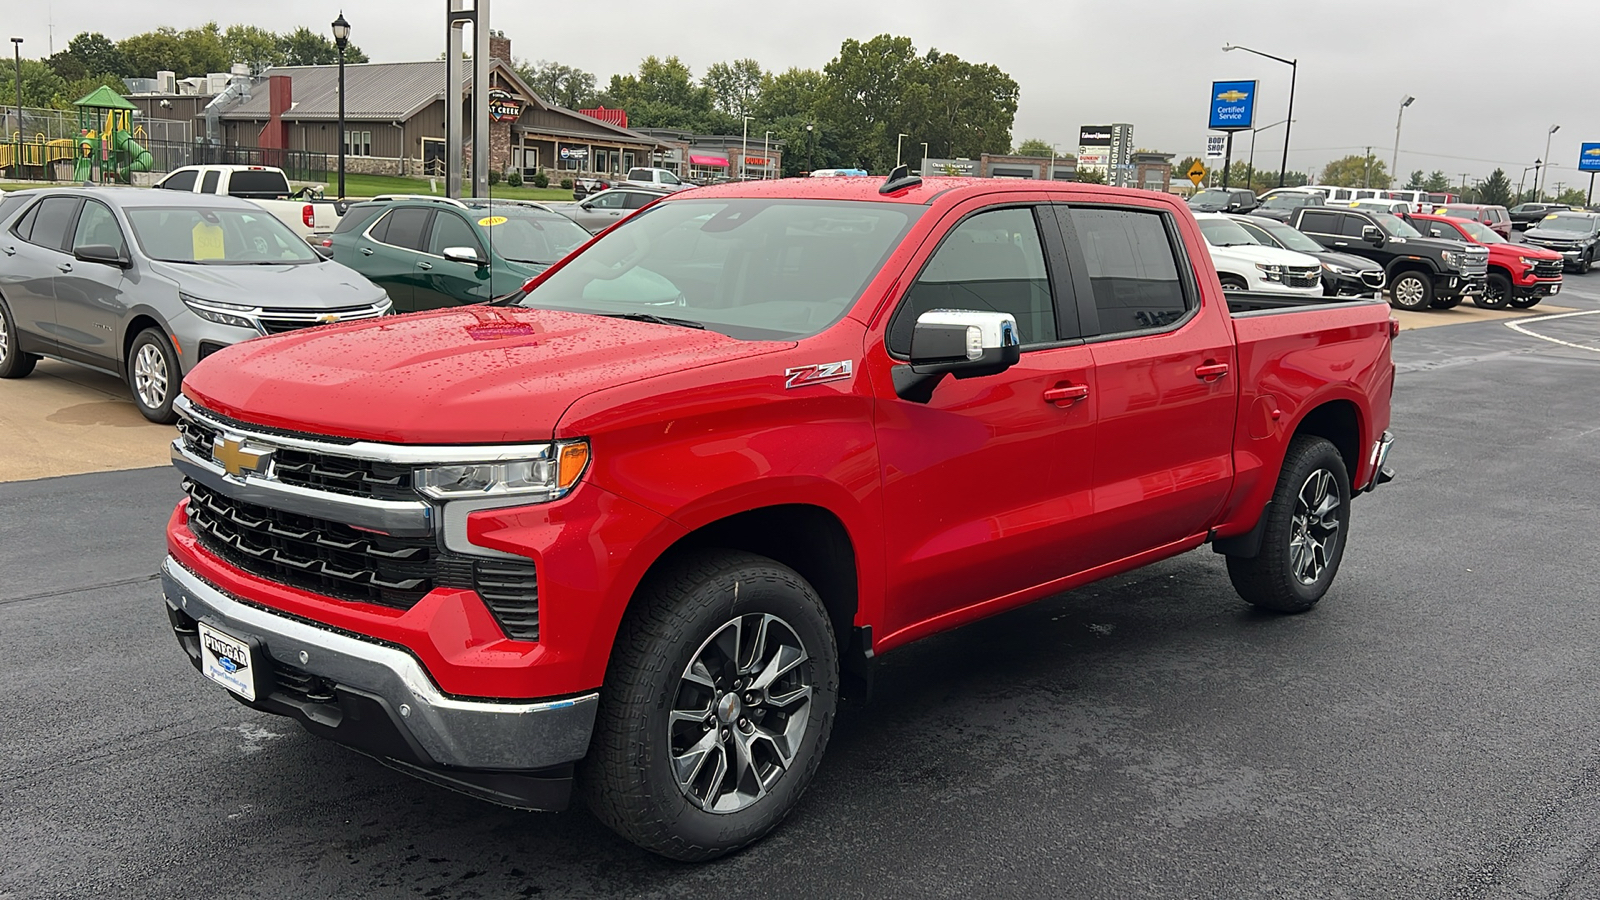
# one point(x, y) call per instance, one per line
point(378, 699)
point(1453, 284)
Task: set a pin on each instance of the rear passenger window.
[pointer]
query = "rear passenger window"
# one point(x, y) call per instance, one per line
point(208, 185)
point(1320, 223)
point(180, 181)
point(405, 228)
point(992, 262)
point(1132, 267)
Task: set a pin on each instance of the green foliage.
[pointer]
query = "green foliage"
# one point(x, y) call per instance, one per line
point(1357, 171)
point(541, 180)
point(40, 84)
point(735, 86)
point(560, 84)
point(256, 47)
point(304, 47)
point(1091, 176)
point(1180, 169)
point(515, 178)
point(1572, 197)
point(87, 53)
point(1418, 181)
point(1034, 147)
point(566, 184)
point(663, 95)
point(194, 51)
point(1437, 182)
point(494, 176)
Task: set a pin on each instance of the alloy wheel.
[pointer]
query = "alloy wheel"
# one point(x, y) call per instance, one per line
point(5, 340)
point(740, 714)
point(1409, 293)
point(1314, 530)
point(150, 376)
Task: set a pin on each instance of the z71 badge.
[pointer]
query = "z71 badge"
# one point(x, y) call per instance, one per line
point(800, 376)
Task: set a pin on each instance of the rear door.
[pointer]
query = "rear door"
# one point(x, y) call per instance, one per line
point(388, 253)
point(986, 486)
point(441, 282)
point(35, 253)
point(90, 297)
point(602, 211)
point(1164, 373)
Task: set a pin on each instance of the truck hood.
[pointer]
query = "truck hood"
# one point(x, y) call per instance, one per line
point(469, 375)
point(321, 285)
point(1512, 251)
point(1255, 253)
point(1558, 235)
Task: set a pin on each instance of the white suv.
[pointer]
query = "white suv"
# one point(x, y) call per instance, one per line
point(1243, 264)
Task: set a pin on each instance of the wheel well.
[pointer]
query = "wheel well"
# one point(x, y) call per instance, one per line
point(138, 324)
point(1233, 275)
point(809, 539)
point(1396, 269)
point(1499, 270)
point(1340, 423)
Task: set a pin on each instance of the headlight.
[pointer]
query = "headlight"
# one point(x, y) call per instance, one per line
point(1270, 272)
point(546, 477)
point(1527, 261)
point(1452, 259)
point(220, 313)
point(1338, 270)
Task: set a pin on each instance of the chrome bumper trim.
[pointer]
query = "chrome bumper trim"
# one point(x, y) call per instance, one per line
point(469, 734)
point(1381, 473)
point(401, 518)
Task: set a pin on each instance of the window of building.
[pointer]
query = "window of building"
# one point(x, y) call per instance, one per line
point(358, 143)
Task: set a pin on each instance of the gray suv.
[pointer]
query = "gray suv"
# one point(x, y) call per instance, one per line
point(145, 284)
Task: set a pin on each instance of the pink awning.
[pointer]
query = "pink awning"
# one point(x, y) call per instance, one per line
point(708, 161)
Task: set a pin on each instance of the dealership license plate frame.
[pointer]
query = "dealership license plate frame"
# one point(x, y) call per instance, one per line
point(230, 660)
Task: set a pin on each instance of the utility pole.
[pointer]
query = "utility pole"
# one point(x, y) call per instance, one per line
point(1366, 170)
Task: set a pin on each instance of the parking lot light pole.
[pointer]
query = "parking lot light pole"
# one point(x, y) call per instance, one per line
point(810, 129)
point(1294, 72)
point(1537, 184)
point(897, 141)
point(16, 45)
point(1250, 170)
point(766, 153)
point(745, 148)
point(341, 38)
point(1394, 160)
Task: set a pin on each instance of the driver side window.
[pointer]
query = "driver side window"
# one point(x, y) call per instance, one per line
point(609, 201)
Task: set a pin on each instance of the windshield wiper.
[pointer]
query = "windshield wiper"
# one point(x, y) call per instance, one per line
point(654, 319)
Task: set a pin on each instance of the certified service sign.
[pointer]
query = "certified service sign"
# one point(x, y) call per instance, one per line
point(1589, 158)
point(1233, 105)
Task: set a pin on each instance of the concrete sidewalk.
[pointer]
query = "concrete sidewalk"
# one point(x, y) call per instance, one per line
point(65, 420)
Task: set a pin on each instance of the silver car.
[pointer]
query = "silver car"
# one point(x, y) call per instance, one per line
point(600, 211)
point(145, 284)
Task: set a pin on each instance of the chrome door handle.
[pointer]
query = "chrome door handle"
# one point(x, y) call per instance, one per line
point(1066, 394)
point(424, 265)
point(11, 251)
point(1211, 371)
point(65, 267)
point(366, 251)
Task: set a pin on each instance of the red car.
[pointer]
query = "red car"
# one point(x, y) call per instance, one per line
point(1520, 275)
point(1498, 218)
point(643, 522)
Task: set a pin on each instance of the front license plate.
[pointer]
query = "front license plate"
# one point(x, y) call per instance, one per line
point(226, 660)
point(1555, 288)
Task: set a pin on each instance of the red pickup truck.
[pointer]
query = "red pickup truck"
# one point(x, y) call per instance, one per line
point(639, 525)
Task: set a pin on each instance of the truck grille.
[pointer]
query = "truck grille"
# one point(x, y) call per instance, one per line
point(1548, 268)
point(1302, 277)
point(1372, 277)
point(1475, 264)
point(278, 321)
point(317, 471)
point(312, 554)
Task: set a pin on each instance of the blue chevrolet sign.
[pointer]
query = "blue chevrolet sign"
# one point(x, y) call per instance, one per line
point(1233, 105)
point(1589, 158)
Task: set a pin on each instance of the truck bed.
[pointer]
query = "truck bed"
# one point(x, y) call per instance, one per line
point(1255, 303)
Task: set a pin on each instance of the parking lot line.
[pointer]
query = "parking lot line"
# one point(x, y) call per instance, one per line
point(1464, 314)
point(64, 420)
point(1521, 329)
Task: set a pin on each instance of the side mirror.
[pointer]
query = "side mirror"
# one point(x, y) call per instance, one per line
point(104, 254)
point(464, 255)
point(586, 205)
point(324, 252)
point(959, 342)
point(1371, 234)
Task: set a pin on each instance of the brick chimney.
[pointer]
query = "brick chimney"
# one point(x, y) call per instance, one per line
point(500, 47)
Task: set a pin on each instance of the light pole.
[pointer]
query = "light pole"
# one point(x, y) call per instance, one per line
point(746, 147)
point(1294, 72)
point(341, 38)
point(16, 44)
point(1250, 170)
point(1394, 160)
point(810, 138)
point(897, 141)
point(766, 153)
point(1539, 185)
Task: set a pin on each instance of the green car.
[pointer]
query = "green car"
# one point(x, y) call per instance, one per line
point(432, 252)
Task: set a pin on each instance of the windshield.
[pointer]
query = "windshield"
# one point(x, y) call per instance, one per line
point(217, 237)
point(1291, 201)
point(1223, 233)
point(1558, 222)
point(751, 269)
point(1480, 232)
point(1395, 227)
point(1289, 237)
point(529, 235)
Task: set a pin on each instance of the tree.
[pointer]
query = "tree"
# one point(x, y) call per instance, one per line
point(961, 108)
point(1034, 147)
point(40, 84)
point(1495, 190)
point(256, 47)
point(663, 95)
point(78, 88)
point(1357, 171)
point(1180, 169)
point(1417, 182)
point(1438, 182)
point(1091, 176)
point(560, 84)
point(735, 86)
point(1572, 197)
point(304, 47)
point(97, 53)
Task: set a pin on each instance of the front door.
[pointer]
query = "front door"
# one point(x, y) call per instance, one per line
point(1166, 375)
point(443, 282)
point(90, 299)
point(389, 252)
point(986, 486)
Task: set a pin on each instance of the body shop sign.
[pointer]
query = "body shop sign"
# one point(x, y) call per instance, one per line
point(503, 107)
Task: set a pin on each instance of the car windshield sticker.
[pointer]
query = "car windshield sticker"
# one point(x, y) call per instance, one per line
point(491, 221)
point(207, 240)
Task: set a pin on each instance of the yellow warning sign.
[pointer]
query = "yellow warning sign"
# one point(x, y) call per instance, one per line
point(1197, 173)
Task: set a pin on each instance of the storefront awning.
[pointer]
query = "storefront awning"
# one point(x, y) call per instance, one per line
point(708, 161)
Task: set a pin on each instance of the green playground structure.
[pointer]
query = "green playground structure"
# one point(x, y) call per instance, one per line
point(106, 139)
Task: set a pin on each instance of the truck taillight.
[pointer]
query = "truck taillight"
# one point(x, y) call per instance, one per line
point(327, 242)
point(308, 215)
point(1394, 328)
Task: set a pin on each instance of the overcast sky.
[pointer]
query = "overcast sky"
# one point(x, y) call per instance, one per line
point(1077, 63)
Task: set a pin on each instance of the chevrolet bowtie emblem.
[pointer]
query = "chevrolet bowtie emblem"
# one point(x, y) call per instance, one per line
point(1233, 96)
point(237, 459)
point(327, 319)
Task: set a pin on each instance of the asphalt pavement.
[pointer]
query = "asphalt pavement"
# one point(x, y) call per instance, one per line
point(1430, 730)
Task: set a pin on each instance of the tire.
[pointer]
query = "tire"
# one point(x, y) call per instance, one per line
point(1587, 263)
point(1523, 302)
point(13, 362)
point(1411, 291)
point(1450, 302)
point(656, 710)
point(1496, 293)
point(1297, 519)
point(154, 376)
point(1233, 283)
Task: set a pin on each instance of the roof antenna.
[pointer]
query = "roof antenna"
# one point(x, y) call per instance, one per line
point(899, 179)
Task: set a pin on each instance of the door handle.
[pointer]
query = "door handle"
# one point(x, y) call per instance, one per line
point(1211, 371)
point(11, 251)
point(366, 251)
point(424, 265)
point(1066, 394)
point(1341, 243)
point(65, 267)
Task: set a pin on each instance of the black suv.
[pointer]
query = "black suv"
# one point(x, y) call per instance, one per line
point(1526, 215)
point(1571, 234)
point(1232, 200)
point(1422, 271)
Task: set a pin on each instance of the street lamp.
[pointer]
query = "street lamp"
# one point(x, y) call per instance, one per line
point(1539, 185)
point(1294, 72)
point(1250, 171)
point(341, 38)
point(745, 152)
point(1394, 160)
point(897, 141)
point(16, 43)
point(766, 153)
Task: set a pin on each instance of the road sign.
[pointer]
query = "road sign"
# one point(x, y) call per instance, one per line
point(1233, 105)
point(1197, 173)
point(1589, 158)
point(1214, 145)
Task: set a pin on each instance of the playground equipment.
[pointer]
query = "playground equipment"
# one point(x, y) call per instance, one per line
point(106, 139)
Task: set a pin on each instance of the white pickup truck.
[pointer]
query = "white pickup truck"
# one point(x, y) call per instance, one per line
point(265, 186)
